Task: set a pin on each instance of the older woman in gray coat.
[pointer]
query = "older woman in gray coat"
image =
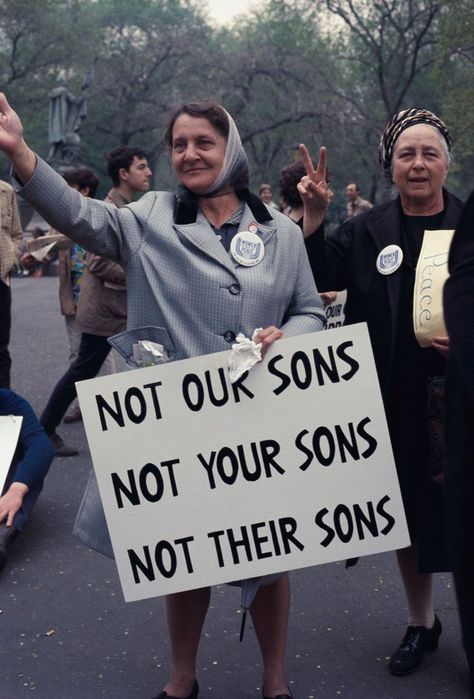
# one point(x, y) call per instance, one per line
point(206, 263)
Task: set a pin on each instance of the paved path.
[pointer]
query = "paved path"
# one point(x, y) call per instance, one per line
point(66, 633)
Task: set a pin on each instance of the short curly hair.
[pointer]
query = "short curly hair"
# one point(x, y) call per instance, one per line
point(289, 178)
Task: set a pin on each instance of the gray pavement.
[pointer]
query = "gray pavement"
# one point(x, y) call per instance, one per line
point(66, 632)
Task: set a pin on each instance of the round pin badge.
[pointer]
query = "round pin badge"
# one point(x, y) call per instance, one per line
point(253, 228)
point(247, 248)
point(389, 259)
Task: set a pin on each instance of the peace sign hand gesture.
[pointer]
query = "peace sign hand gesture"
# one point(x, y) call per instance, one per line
point(314, 190)
point(11, 141)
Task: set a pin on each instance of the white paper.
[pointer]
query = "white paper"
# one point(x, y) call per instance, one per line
point(10, 426)
point(42, 252)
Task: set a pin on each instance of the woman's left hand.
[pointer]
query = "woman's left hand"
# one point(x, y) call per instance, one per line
point(267, 337)
point(441, 344)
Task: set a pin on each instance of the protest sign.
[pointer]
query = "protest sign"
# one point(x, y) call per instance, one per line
point(205, 482)
point(431, 275)
point(10, 426)
point(335, 311)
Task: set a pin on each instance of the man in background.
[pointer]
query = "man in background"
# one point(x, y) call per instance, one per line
point(355, 203)
point(102, 307)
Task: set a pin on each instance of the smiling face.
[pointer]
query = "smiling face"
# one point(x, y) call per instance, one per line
point(266, 195)
point(197, 152)
point(419, 168)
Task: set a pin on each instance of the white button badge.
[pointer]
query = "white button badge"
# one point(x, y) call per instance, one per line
point(389, 259)
point(247, 248)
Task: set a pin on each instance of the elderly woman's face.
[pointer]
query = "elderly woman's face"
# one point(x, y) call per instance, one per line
point(198, 151)
point(419, 163)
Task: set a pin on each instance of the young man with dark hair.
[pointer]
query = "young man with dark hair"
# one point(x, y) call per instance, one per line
point(127, 167)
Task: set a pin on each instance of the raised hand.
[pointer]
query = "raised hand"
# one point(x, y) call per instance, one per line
point(314, 190)
point(11, 141)
point(11, 130)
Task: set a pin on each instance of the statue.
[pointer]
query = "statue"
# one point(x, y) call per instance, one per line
point(66, 114)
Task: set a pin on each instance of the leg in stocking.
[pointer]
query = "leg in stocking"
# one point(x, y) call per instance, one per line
point(269, 612)
point(186, 612)
point(418, 588)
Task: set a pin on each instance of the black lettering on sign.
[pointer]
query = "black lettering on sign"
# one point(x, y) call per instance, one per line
point(327, 443)
point(151, 484)
point(355, 521)
point(135, 405)
point(256, 541)
point(318, 367)
point(251, 462)
point(213, 388)
point(167, 556)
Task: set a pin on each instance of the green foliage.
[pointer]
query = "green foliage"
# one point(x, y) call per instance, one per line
point(316, 71)
point(454, 74)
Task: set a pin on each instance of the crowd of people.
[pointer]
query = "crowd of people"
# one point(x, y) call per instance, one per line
point(201, 239)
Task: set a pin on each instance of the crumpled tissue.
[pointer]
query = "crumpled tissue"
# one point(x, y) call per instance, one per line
point(148, 353)
point(245, 353)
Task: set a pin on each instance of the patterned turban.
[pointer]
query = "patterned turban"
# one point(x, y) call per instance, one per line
point(398, 123)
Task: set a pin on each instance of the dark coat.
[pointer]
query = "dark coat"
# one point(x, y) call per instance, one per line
point(346, 259)
point(459, 481)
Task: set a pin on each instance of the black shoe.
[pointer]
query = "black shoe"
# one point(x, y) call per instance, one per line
point(278, 696)
point(61, 449)
point(7, 534)
point(193, 695)
point(410, 654)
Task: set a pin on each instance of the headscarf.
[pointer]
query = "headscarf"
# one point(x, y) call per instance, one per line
point(398, 123)
point(235, 169)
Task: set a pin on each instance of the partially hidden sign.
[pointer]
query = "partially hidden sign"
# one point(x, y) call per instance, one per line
point(10, 426)
point(204, 482)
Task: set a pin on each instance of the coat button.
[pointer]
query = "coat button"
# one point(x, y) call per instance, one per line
point(229, 336)
point(234, 289)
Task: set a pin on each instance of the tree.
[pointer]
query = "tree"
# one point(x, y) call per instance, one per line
point(386, 51)
point(453, 72)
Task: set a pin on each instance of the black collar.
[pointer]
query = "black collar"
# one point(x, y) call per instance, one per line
point(187, 212)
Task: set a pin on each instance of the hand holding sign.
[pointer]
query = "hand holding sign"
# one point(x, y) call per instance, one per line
point(314, 190)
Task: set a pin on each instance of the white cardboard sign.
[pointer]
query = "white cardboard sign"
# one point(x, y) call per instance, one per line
point(204, 482)
point(10, 426)
point(336, 311)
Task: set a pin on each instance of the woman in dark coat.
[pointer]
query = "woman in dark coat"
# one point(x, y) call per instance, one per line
point(374, 256)
point(459, 480)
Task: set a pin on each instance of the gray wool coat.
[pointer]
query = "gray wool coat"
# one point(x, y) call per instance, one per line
point(180, 277)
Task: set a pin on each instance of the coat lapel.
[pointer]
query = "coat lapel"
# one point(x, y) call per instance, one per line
point(192, 226)
point(203, 238)
point(385, 229)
